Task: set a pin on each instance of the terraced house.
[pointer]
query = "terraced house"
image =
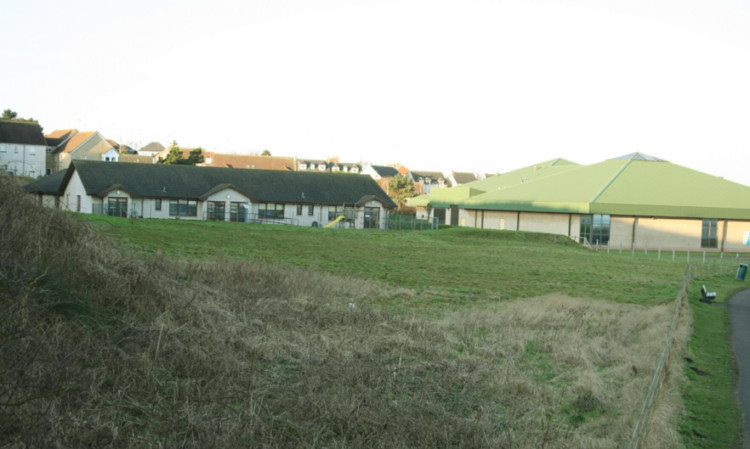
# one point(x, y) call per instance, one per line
point(22, 148)
point(213, 193)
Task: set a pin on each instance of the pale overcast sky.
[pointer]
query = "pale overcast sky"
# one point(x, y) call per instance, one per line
point(471, 85)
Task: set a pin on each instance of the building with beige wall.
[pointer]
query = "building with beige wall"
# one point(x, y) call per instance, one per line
point(67, 145)
point(635, 201)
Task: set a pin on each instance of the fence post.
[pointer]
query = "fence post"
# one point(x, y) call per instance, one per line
point(673, 252)
point(659, 252)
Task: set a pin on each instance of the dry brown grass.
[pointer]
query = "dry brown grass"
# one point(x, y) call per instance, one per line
point(98, 349)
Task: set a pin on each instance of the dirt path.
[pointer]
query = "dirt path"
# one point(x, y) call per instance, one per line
point(739, 313)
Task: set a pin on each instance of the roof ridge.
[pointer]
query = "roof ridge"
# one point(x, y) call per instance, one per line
point(609, 183)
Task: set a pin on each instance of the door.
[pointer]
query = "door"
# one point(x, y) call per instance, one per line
point(216, 210)
point(117, 207)
point(372, 218)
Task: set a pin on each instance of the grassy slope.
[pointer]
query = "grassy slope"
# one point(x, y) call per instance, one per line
point(455, 264)
point(712, 418)
point(459, 263)
point(102, 349)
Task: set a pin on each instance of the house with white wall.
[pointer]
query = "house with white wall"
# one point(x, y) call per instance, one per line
point(22, 148)
point(212, 193)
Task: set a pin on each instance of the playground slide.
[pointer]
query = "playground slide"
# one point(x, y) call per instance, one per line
point(333, 223)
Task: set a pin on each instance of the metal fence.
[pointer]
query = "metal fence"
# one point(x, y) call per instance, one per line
point(410, 223)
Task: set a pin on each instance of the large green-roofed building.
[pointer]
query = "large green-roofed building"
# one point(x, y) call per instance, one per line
point(443, 199)
point(633, 201)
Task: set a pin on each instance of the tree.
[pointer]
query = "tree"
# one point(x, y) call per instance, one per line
point(174, 156)
point(9, 114)
point(265, 153)
point(195, 157)
point(400, 187)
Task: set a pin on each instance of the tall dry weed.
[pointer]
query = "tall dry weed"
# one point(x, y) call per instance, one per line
point(99, 349)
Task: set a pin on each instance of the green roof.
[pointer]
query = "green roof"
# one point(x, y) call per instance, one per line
point(445, 197)
point(524, 175)
point(639, 186)
point(190, 182)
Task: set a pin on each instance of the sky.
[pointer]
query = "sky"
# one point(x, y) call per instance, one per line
point(472, 85)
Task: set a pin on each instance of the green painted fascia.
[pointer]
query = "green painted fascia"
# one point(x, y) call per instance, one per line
point(668, 211)
point(532, 206)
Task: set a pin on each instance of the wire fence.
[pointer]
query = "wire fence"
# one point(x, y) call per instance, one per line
point(715, 258)
point(641, 426)
point(410, 223)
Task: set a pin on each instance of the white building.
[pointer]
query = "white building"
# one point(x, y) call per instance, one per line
point(22, 148)
point(212, 193)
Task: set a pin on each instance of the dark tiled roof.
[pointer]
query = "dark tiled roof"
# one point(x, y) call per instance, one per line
point(189, 182)
point(385, 171)
point(17, 131)
point(464, 178)
point(47, 185)
point(433, 175)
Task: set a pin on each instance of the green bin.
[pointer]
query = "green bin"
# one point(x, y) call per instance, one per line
point(741, 272)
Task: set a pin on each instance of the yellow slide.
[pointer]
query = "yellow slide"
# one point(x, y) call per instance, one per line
point(331, 224)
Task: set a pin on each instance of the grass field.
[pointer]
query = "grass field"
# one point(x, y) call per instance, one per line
point(193, 334)
point(454, 264)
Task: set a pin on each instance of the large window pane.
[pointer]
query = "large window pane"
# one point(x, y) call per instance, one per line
point(709, 235)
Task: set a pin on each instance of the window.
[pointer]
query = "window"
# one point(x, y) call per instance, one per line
point(117, 207)
point(708, 236)
point(216, 210)
point(299, 210)
point(237, 211)
point(157, 204)
point(595, 229)
point(78, 203)
point(270, 210)
point(310, 210)
point(334, 212)
point(349, 213)
point(183, 208)
point(372, 218)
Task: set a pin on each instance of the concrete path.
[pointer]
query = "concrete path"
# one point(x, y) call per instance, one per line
point(739, 314)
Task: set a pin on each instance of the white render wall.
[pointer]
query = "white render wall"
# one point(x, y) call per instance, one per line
point(146, 207)
point(24, 160)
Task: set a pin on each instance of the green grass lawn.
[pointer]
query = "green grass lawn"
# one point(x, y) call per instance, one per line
point(460, 262)
point(712, 418)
